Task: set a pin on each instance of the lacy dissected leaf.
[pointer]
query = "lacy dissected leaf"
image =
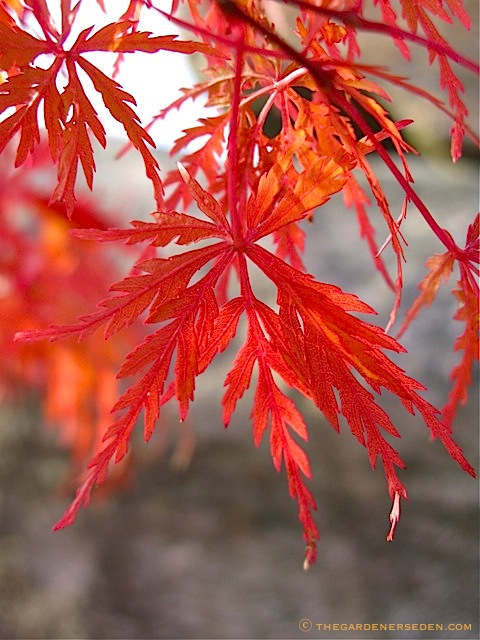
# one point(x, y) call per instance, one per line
point(69, 116)
point(291, 126)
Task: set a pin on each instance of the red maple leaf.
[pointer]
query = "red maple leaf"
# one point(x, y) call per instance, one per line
point(69, 116)
point(296, 124)
point(313, 343)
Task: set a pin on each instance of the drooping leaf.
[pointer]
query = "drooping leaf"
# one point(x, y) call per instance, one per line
point(293, 125)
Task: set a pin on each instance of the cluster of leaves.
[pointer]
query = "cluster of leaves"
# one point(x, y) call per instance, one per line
point(293, 125)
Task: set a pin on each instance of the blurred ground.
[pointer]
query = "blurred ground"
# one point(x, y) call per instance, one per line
point(215, 550)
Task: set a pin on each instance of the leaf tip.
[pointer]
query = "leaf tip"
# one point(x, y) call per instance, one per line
point(29, 335)
point(310, 555)
point(65, 521)
point(183, 172)
point(394, 516)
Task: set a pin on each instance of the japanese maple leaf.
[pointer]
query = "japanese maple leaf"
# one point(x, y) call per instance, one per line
point(253, 186)
point(312, 343)
point(69, 117)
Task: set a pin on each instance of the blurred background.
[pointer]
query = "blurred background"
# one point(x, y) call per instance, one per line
point(213, 548)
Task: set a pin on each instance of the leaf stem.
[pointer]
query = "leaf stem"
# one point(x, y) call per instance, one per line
point(233, 185)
